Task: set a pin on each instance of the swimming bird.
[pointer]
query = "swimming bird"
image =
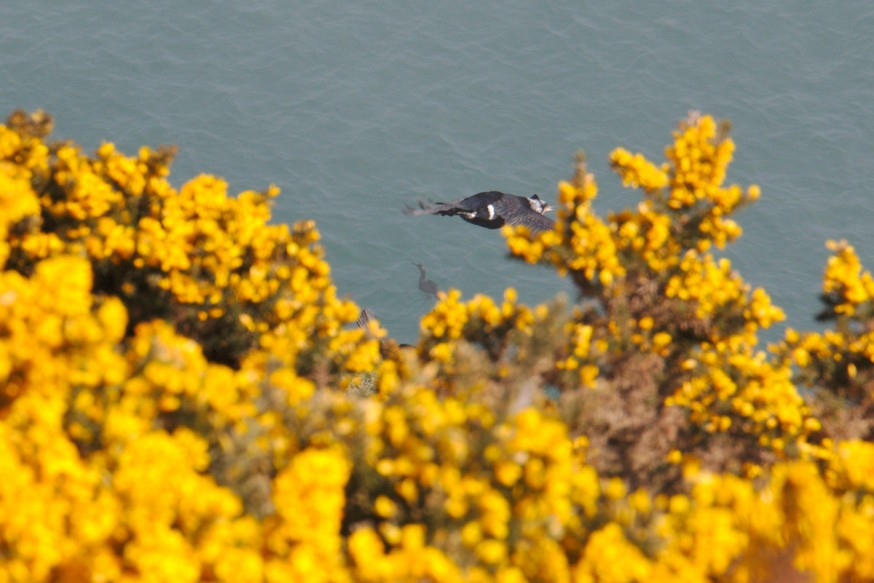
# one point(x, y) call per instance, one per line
point(426, 285)
point(493, 210)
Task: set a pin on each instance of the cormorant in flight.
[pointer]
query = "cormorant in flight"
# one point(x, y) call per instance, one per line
point(493, 210)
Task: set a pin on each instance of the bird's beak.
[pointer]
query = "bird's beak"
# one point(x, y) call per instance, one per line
point(547, 207)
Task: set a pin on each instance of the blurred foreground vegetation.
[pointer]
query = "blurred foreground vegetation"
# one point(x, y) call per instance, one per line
point(184, 396)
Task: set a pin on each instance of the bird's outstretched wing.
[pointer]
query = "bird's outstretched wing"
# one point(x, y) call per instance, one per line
point(535, 221)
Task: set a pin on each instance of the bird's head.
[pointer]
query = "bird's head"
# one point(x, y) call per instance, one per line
point(537, 204)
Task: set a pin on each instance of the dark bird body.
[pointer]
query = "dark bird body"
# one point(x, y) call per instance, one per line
point(493, 210)
point(426, 285)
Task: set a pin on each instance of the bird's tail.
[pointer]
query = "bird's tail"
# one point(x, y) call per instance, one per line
point(437, 208)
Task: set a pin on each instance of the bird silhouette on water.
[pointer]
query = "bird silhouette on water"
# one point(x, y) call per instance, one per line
point(493, 210)
point(426, 285)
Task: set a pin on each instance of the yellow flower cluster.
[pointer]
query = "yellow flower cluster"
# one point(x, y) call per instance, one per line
point(740, 392)
point(662, 304)
point(717, 290)
point(480, 320)
point(62, 517)
point(845, 281)
point(837, 365)
point(139, 454)
point(690, 184)
point(727, 529)
point(637, 171)
point(647, 233)
point(36, 327)
point(700, 155)
point(581, 243)
point(174, 410)
point(19, 157)
point(664, 242)
point(587, 352)
point(709, 283)
point(497, 490)
point(304, 533)
point(725, 526)
point(209, 261)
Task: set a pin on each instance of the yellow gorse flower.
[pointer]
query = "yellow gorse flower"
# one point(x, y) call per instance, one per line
point(173, 407)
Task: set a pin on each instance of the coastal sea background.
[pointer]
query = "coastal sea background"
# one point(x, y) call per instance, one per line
point(355, 108)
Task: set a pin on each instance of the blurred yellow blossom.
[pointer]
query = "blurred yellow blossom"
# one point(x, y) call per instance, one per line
point(184, 396)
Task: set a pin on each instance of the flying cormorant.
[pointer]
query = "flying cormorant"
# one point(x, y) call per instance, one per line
point(493, 210)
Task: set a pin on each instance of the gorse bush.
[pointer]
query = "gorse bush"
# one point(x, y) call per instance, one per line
point(184, 396)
